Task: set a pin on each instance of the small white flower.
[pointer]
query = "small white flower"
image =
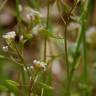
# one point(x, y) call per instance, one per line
point(32, 13)
point(40, 64)
point(28, 67)
point(35, 61)
point(5, 48)
point(30, 16)
point(9, 35)
point(21, 38)
point(43, 65)
point(24, 69)
point(31, 67)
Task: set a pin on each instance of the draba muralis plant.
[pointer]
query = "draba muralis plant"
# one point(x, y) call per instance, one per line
point(30, 76)
point(82, 39)
point(36, 79)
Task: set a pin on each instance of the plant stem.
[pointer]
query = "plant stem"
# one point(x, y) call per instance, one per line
point(22, 67)
point(85, 73)
point(65, 46)
point(82, 37)
point(47, 25)
point(48, 7)
point(67, 62)
point(42, 90)
point(84, 23)
point(23, 76)
point(45, 44)
point(75, 57)
point(24, 87)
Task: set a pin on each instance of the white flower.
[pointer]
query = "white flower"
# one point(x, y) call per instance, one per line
point(40, 64)
point(9, 35)
point(21, 38)
point(32, 13)
point(5, 48)
point(29, 68)
point(30, 16)
point(24, 69)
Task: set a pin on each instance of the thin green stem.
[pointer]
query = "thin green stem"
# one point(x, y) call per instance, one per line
point(83, 39)
point(66, 50)
point(48, 7)
point(21, 58)
point(85, 73)
point(45, 45)
point(47, 25)
point(84, 23)
point(22, 67)
point(20, 54)
point(65, 46)
point(42, 91)
point(75, 57)
point(17, 10)
point(45, 41)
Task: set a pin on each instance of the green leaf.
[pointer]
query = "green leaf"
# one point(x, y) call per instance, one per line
point(47, 33)
point(12, 86)
point(46, 86)
point(2, 57)
point(28, 36)
point(3, 88)
point(12, 83)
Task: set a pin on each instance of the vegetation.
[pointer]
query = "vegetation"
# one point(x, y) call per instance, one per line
point(47, 49)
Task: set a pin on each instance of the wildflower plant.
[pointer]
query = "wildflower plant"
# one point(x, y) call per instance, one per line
point(28, 74)
point(35, 79)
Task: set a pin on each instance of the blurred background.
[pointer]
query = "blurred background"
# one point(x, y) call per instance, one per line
point(55, 53)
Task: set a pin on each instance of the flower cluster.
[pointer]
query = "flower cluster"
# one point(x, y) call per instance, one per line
point(5, 48)
point(9, 35)
point(30, 16)
point(36, 65)
point(40, 64)
point(29, 68)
